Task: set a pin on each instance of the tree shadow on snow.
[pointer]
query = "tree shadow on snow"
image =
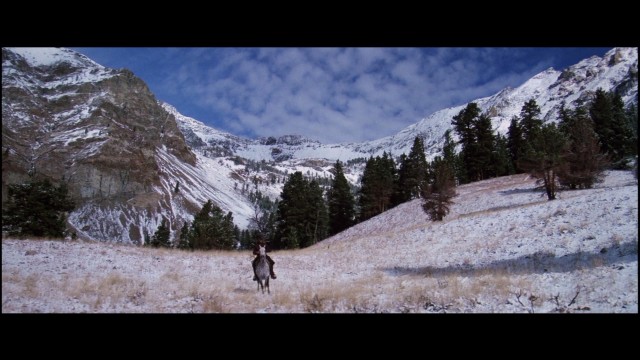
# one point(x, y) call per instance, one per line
point(521, 191)
point(537, 263)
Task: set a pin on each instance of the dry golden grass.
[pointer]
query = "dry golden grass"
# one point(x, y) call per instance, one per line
point(34, 238)
point(10, 277)
point(616, 239)
point(344, 297)
point(213, 304)
point(30, 286)
point(210, 283)
point(417, 267)
point(78, 287)
point(137, 296)
point(283, 298)
point(313, 303)
point(171, 276)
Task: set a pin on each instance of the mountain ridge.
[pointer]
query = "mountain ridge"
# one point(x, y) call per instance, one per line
point(549, 88)
point(123, 151)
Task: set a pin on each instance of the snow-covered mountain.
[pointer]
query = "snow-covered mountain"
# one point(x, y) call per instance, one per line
point(123, 152)
point(617, 70)
point(101, 130)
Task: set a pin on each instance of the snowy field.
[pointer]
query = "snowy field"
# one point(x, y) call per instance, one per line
point(503, 248)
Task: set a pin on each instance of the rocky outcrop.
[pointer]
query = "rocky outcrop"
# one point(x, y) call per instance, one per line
point(95, 128)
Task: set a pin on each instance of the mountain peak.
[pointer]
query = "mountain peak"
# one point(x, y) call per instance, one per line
point(38, 56)
point(50, 67)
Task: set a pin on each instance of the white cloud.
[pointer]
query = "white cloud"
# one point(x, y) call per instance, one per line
point(337, 94)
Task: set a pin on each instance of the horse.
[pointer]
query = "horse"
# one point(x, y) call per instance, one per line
point(262, 270)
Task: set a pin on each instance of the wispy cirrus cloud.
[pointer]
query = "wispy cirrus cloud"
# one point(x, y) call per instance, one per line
point(336, 94)
point(330, 94)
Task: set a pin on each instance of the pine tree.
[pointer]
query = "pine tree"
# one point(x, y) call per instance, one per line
point(479, 161)
point(623, 145)
point(212, 229)
point(438, 193)
point(585, 163)
point(449, 154)
point(225, 237)
point(411, 174)
point(291, 210)
point(161, 238)
point(601, 113)
point(477, 140)
point(340, 201)
point(147, 238)
point(198, 233)
point(271, 224)
point(387, 175)
point(378, 186)
point(367, 198)
point(632, 118)
point(614, 127)
point(402, 193)
point(184, 242)
point(301, 218)
point(290, 238)
point(515, 142)
point(237, 236)
point(463, 124)
point(317, 225)
point(415, 169)
point(545, 158)
point(530, 120)
point(501, 161)
point(36, 208)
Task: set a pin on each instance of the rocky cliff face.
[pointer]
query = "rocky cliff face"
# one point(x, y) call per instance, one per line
point(68, 118)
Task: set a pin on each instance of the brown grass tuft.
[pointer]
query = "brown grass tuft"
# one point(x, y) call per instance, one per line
point(312, 303)
point(213, 304)
point(30, 286)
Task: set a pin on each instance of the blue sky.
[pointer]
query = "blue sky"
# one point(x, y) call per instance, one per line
point(328, 94)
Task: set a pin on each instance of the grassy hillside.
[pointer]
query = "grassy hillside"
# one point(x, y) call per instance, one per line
point(503, 248)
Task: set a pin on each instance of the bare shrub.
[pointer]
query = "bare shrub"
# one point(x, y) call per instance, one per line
point(312, 303)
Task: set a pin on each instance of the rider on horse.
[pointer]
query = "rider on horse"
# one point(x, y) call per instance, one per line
point(256, 251)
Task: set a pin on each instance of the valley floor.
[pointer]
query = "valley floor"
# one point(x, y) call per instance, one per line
point(503, 248)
